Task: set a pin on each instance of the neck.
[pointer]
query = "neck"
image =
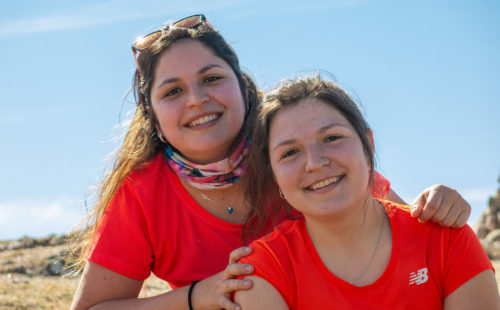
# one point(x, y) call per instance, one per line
point(219, 200)
point(353, 224)
point(355, 247)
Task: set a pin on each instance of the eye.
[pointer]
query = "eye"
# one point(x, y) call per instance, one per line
point(212, 78)
point(289, 153)
point(332, 138)
point(172, 92)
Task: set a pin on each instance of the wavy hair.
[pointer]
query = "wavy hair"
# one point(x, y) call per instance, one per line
point(141, 142)
point(262, 191)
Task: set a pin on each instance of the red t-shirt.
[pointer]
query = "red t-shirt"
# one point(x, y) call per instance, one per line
point(154, 225)
point(427, 263)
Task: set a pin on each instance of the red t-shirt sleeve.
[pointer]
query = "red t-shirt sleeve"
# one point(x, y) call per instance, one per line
point(463, 258)
point(122, 241)
point(270, 266)
point(381, 186)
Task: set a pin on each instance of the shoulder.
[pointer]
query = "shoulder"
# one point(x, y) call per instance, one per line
point(153, 168)
point(153, 177)
point(284, 232)
point(273, 259)
point(402, 215)
point(393, 209)
point(147, 184)
point(275, 246)
point(410, 229)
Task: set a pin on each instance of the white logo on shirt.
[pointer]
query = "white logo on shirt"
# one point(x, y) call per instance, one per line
point(419, 277)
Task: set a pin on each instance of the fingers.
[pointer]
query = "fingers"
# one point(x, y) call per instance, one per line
point(235, 255)
point(442, 205)
point(233, 270)
point(215, 292)
point(230, 286)
point(418, 204)
point(433, 203)
point(226, 303)
point(462, 219)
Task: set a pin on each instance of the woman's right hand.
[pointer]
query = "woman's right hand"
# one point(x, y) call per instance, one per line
point(216, 292)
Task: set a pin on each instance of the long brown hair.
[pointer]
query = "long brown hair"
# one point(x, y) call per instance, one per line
point(141, 142)
point(262, 192)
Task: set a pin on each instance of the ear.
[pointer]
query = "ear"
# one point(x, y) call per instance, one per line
point(245, 80)
point(369, 134)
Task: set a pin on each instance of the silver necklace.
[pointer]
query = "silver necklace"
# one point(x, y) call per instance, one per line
point(374, 250)
point(229, 208)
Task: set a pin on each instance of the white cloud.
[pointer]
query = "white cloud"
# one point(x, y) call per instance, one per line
point(39, 217)
point(478, 195)
point(107, 13)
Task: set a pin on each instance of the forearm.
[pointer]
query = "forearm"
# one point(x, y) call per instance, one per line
point(102, 288)
point(172, 300)
point(392, 196)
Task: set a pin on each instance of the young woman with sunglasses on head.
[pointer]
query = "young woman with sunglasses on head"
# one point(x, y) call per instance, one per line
point(349, 250)
point(172, 203)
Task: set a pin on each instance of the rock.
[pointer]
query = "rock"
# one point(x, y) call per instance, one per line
point(28, 242)
point(15, 245)
point(487, 227)
point(56, 267)
point(479, 226)
point(493, 236)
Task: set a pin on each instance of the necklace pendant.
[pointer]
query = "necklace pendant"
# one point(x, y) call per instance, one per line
point(229, 210)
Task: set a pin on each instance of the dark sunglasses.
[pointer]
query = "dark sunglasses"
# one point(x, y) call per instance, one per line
point(190, 22)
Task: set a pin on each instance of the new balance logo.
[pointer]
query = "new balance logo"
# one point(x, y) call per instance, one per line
point(419, 277)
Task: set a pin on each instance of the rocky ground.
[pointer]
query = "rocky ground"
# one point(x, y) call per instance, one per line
point(32, 275)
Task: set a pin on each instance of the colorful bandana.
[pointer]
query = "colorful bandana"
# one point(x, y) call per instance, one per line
point(220, 174)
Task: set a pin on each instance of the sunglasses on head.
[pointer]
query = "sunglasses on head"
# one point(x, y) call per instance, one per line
point(190, 22)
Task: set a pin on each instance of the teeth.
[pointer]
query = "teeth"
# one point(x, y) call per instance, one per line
point(324, 183)
point(203, 120)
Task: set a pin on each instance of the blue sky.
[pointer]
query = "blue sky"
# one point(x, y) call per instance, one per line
point(425, 72)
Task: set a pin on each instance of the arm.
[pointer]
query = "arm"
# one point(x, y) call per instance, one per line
point(480, 292)
point(102, 288)
point(261, 296)
point(438, 203)
point(392, 196)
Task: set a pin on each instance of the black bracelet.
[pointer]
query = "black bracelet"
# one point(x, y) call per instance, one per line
point(189, 294)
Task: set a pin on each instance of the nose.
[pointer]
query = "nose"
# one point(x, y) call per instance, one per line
point(197, 96)
point(315, 158)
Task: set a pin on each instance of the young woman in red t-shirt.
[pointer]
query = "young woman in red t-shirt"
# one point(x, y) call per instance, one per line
point(172, 203)
point(349, 250)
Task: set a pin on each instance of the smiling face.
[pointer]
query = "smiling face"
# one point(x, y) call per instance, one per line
point(318, 159)
point(197, 101)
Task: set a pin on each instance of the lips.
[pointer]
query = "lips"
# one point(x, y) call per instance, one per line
point(203, 119)
point(324, 183)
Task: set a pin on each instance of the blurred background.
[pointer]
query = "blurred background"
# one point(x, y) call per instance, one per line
point(426, 74)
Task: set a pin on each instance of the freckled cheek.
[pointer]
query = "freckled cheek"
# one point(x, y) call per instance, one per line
point(231, 94)
point(348, 155)
point(168, 117)
point(287, 176)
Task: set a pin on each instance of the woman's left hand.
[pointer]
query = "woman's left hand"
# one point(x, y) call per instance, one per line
point(442, 205)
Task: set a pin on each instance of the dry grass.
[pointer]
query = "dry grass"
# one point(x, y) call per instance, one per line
point(31, 260)
point(23, 286)
point(24, 291)
point(39, 292)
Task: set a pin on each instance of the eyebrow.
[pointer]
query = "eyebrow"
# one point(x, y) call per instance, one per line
point(320, 131)
point(201, 71)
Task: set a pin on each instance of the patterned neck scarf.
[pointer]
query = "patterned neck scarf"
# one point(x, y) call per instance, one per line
point(219, 174)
